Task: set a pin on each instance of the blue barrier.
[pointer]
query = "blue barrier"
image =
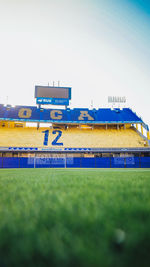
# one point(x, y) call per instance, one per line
point(132, 162)
point(75, 162)
point(26, 162)
point(57, 162)
point(10, 162)
point(145, 162)
point(117, 162)
point(1, 161)
point(42, 162)
point(102, 162)
point(88, 162)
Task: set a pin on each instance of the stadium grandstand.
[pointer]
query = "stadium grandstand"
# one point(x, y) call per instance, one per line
point(80, 137)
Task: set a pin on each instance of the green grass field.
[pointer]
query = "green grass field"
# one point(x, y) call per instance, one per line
point(78, 217)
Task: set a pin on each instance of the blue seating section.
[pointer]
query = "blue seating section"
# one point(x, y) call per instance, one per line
point(30, 113)
point(130, 162)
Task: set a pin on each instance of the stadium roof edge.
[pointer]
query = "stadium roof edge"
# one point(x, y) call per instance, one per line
point(71, 122)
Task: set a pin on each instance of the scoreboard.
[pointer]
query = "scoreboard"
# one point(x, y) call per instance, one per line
point(52, 95)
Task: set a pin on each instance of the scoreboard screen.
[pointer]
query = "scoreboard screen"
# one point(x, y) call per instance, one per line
point(52, 92)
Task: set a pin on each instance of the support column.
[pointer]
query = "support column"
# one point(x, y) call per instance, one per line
point(141, 129)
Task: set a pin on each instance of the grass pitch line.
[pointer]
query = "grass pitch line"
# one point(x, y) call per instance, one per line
point(79, 169)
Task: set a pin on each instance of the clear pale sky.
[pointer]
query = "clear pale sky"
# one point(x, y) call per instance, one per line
point(100, 48)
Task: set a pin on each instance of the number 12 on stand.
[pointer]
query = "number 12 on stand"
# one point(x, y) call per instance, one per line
point(55, 141)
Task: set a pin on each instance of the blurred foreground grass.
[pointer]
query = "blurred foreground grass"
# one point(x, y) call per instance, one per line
point(74, 217)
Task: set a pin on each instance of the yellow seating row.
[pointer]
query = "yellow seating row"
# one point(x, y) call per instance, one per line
point(72, 137)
